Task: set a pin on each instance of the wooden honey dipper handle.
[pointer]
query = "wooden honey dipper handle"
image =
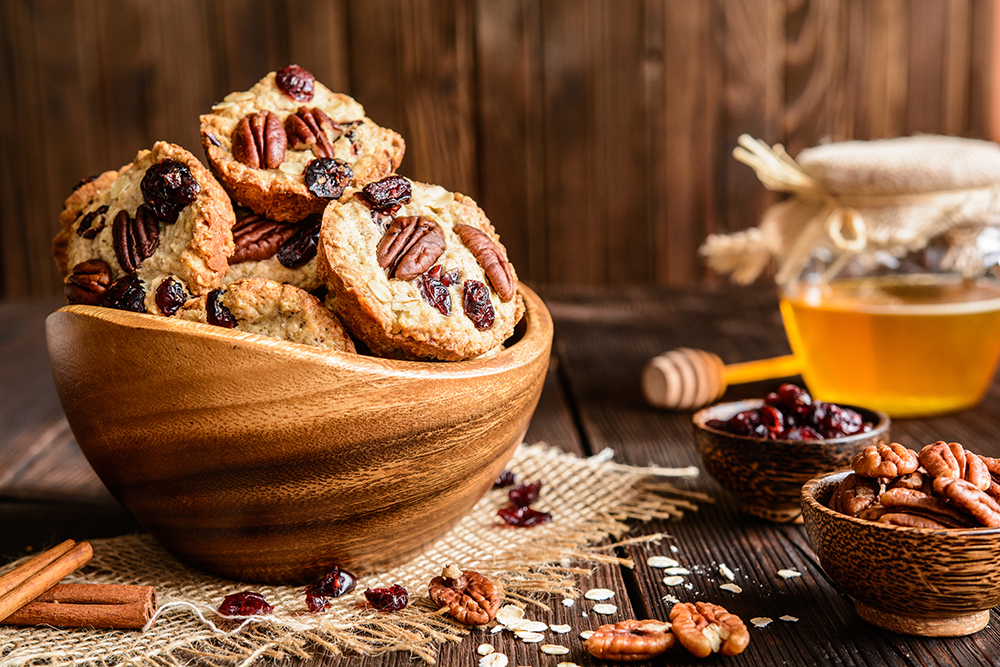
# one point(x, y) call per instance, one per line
point(686, 379)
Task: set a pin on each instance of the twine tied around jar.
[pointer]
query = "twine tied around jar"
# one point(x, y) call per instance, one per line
point(904, 193)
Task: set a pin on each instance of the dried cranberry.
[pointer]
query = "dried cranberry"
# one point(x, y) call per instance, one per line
point(772, 418)
point(801, 433)
point(434, 291)
point(717, 424)
point(840, 421)
point(301, 247)
point(296, 82)
point(86, 228)
point(506, 478)
point(171, 295)
point(334, 583)
point(523, 517)
point(327, 177)
point(216, 313)
point(477, 305)
point(246, 603)
point(387, 599)
point(524, 494)
point(126, 293)
point(167, 187)
point(389, 192)
point(744, 423)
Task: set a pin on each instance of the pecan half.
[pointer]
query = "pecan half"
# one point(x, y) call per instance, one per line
point(704, 628)
point(993, 465)
point(629, 641)
point(259, 141)
point(919, 480)
point(471, 598)
point(257, 238)
point(911, 521)
point(136, 238)
point(88, 282)
point(490, 258)
point(855, 494)
point(873, 512)
point(950, 459)
point(965, 495)
point(912, 501)
point(884, 460)
point(309, 129)
point(410, 246)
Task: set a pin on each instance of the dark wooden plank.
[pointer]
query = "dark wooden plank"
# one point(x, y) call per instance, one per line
point(878, 67)
point(927, 64)
point(510, 129)
point(323, 49)
point(606, 339)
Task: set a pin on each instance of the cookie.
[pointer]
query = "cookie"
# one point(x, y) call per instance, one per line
point(289, 145)
point(281, 251)
point(159, 231)
point(270, 309)
point(418, 272)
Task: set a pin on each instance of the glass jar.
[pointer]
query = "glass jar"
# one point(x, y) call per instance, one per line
point(912, 335)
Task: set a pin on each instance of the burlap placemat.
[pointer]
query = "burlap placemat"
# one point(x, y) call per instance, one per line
point(590, 500)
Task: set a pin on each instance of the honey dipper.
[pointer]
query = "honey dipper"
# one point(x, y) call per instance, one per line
point(686, 379)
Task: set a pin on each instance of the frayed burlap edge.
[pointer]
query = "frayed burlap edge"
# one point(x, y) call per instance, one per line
point(591, 500)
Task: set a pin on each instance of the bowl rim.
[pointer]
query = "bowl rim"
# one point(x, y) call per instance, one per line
point(808, 497)
point(883, 424)
point(535, 341)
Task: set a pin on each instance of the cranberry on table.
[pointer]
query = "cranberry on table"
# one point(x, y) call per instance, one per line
point(523, 495)
point(245, 603)
point(387, 599)
point(334, 583)
point(523, 517)
point(506, 478)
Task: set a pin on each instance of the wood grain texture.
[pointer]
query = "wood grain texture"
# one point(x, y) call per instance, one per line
point(264, 460)
point(597, 135)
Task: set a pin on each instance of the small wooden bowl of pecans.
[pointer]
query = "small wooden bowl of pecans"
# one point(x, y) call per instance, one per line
point(265, 460)
point(913, 537)
point(763, 451)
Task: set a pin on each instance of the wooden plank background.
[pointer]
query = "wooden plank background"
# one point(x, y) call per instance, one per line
point(595, 133)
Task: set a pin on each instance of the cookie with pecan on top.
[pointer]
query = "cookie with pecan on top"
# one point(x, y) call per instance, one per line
point(417, 271)
point(271, 309)
point(147, 237)
point(289, 145)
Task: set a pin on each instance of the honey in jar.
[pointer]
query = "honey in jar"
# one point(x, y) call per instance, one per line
point(911, 345)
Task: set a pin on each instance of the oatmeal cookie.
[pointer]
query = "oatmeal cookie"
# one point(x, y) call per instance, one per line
point(284, 252)
point(418, 272)
point(159, 229)
point(289, 145)
point(270, 309)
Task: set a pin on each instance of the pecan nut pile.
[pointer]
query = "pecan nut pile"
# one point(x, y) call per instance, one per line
point(881, 460)
point(471, 598)
point(944, 486)
point(704, 628)
point(629, 641)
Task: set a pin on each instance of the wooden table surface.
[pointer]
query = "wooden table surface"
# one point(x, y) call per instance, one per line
point(591, 400)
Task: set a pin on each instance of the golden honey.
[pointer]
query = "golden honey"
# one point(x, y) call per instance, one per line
point(908, 345)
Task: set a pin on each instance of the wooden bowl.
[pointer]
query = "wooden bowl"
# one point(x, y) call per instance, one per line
point(937, 583)
point(264, 460)
point(767, 475)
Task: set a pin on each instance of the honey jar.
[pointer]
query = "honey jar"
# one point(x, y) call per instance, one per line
point(887, 267)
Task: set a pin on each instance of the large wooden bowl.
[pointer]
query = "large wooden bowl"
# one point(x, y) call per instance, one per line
point(915, 581)
point(767, 475)
point(264, 460)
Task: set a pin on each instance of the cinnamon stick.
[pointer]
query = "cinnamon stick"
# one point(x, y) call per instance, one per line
point(89, 606)
point(28, 581)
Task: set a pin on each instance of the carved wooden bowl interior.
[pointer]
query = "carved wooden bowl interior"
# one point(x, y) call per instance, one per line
point(264, 460)
point(916, 581)
point(767, 475)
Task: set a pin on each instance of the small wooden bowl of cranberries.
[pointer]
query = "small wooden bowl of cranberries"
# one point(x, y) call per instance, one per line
point(263, 460)
point(763, 450)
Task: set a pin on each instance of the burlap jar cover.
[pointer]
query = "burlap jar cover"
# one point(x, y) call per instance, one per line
point(856, 199)
point(589, 499)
